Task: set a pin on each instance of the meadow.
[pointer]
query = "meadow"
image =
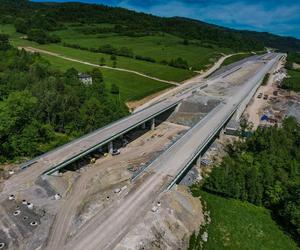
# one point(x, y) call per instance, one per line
point(160, 46)
point(235, 58)
point(241, 225)
point(132, 87)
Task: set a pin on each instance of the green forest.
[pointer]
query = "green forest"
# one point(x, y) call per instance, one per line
point(37, 18)
point(41, 107)
point(264, 170)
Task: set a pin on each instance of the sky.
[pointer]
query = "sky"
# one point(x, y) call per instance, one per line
point(276, 16)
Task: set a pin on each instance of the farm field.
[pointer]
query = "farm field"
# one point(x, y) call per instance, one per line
point(241, 225)
point(152, 69)
point(159, 46)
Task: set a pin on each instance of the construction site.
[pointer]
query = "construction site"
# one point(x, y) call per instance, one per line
point(51, 211)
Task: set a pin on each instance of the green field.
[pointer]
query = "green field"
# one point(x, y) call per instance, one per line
point(152, 69)
point(132, 87)
point(293, 82)
point(159, 46)
point(235, 58)
point(241, 225)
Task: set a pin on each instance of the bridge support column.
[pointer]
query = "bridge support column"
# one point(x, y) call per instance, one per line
point(152, 123)
point(198, 162)
point(56, 173)
point(110, 147)
point(221, 133)
point(144, 125)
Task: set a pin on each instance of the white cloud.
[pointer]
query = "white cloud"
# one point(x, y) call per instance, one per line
point(262, 16)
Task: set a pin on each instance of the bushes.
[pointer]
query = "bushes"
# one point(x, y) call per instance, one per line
point(4, 42)
point(126, 52)
point(37, 29)
point(41, 37)
point(179, 63)
point(145, 58)
point(293, 82)
point(105, 49)
point(266, 79)
point(264, 170)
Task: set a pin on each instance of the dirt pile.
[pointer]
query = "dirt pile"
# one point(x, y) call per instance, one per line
point(168, 224)
point(193, 109)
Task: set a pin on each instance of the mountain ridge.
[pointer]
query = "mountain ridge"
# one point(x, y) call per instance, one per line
point(183, 27)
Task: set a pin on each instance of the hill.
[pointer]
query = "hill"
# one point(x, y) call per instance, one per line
point(135, 24)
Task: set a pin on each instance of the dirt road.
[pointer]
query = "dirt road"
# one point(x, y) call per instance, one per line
point(32, 49)
point(60, 230)
point(257, 105)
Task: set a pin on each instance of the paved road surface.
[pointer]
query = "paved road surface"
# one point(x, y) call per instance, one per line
point(70, 150)
point(19, 182)
point(105, 231)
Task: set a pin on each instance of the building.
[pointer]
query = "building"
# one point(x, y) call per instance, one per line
point(85, 78)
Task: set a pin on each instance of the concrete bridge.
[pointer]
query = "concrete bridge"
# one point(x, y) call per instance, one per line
point(62, 156)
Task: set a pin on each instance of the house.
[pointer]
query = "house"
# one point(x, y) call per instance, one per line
point(85, 78)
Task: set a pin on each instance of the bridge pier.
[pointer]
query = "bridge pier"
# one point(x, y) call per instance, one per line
point(56, 173)
point(152, 123)
point(198, 161)
point(110, 147)
point(144, 125)
point(221, 133)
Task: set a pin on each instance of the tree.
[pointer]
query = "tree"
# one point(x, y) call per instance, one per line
point(4, 42)
point(264, 170)
point(186, 42)
point(113, 57)
point(16, 111)
point(114, 89)
point(97, 75)
point(102, 61)
point(21, 25)
point(72, 73)
point(93, 115)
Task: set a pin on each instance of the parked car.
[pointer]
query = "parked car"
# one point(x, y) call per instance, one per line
point(259, 95)
point(266, 97)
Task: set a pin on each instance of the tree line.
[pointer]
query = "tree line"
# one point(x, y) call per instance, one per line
point(41, 108)
point(126, 52)
point(132, 23)
point(139, 24)
point(264, 170)
point(37, 28)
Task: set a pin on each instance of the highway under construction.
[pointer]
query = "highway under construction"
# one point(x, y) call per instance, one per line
point(73, 219)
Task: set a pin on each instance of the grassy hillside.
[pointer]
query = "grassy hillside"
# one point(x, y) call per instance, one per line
point(241, 225)
point(235, 58)
point(135, 24)
point(161, 47)
point(293, 82)
point(132, 87)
